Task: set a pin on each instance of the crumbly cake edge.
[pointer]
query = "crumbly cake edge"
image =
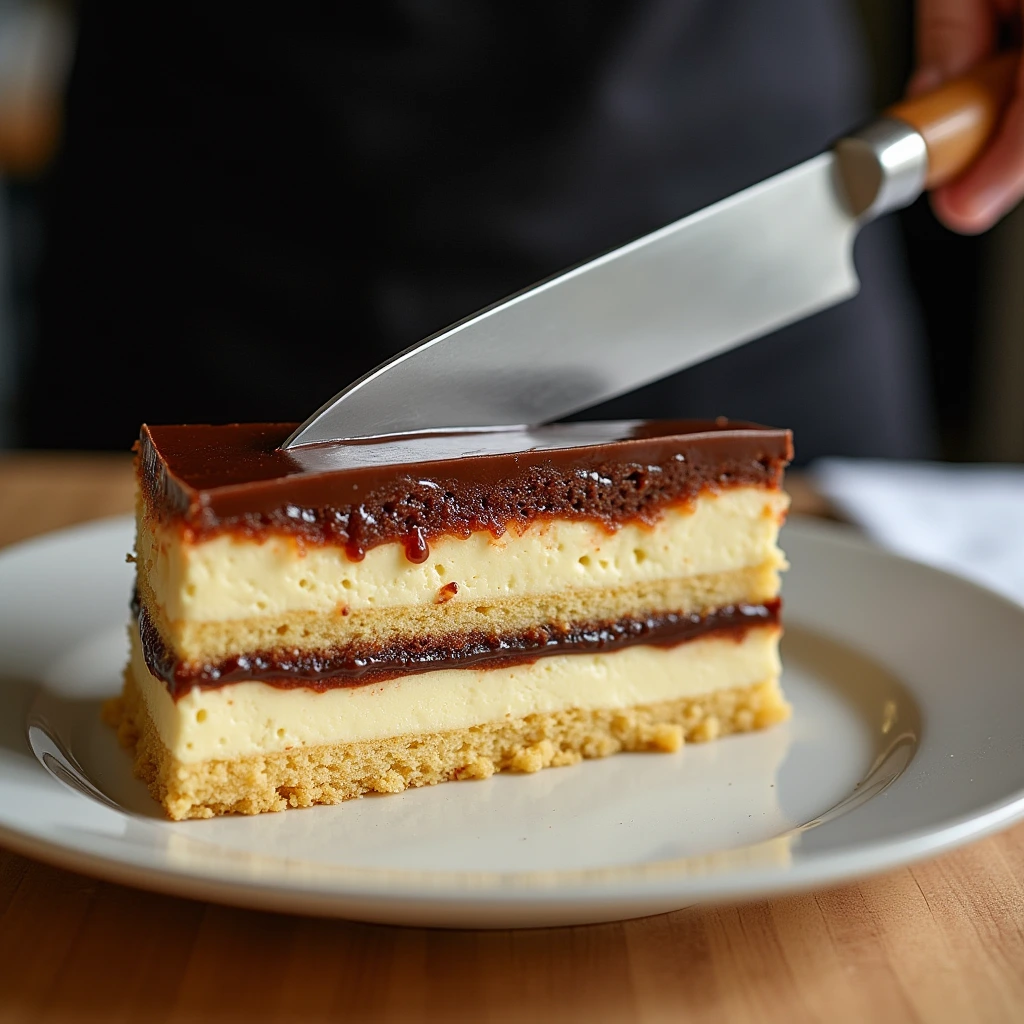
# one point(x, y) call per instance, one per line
point(332, 773)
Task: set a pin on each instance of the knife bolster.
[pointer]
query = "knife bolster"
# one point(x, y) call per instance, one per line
point(882, 167)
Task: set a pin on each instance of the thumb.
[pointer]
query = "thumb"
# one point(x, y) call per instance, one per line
point(952, 36)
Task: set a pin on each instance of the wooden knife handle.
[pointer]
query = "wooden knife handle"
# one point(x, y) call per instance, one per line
point(958, 119)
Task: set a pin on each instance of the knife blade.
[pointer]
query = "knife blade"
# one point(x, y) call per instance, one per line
point(750, 264)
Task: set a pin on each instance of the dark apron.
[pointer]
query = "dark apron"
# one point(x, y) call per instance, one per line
point(246, 216)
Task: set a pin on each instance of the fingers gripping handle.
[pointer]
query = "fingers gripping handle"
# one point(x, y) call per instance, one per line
point(958, 119)
point(925, 141)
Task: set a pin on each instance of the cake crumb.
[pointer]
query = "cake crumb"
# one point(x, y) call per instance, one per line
point(479, 768)
point(709, 729)
point(667, 737)
point(533, 758)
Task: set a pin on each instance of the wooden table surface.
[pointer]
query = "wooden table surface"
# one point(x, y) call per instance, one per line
point(940, 941)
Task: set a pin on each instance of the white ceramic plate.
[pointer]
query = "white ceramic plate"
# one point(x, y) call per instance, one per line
point(907, 739)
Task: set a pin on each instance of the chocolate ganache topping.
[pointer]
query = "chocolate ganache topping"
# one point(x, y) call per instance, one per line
point(411, 488)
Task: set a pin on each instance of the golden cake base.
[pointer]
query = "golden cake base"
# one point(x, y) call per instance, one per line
point(331, 773)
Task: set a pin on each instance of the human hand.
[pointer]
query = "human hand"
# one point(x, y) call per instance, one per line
point(952, 36)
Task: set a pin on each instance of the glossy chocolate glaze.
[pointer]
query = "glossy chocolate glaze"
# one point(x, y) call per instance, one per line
point(326, 670)
point(411, 488)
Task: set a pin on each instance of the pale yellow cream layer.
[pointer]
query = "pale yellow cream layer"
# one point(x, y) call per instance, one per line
point(228, 578)
point(252, 717)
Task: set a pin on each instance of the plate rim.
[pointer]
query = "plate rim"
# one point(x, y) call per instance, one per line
point(833, 868)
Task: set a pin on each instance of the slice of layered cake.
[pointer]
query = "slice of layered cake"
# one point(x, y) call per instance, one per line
point(363, 617)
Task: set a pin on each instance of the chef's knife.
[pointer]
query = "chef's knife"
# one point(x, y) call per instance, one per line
point(764, 258)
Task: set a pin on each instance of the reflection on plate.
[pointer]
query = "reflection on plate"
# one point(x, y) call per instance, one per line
point(905, 740)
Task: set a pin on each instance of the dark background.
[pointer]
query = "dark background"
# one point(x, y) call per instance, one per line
point(963, 285)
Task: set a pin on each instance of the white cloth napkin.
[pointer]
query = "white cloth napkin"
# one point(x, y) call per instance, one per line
point(968, 519)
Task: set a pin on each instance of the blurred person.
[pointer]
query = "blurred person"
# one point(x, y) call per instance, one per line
point(33, 51)
point(250, 213)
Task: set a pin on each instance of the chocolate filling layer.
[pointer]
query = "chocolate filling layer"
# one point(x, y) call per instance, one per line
point(325, 670)
point(414, 488)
